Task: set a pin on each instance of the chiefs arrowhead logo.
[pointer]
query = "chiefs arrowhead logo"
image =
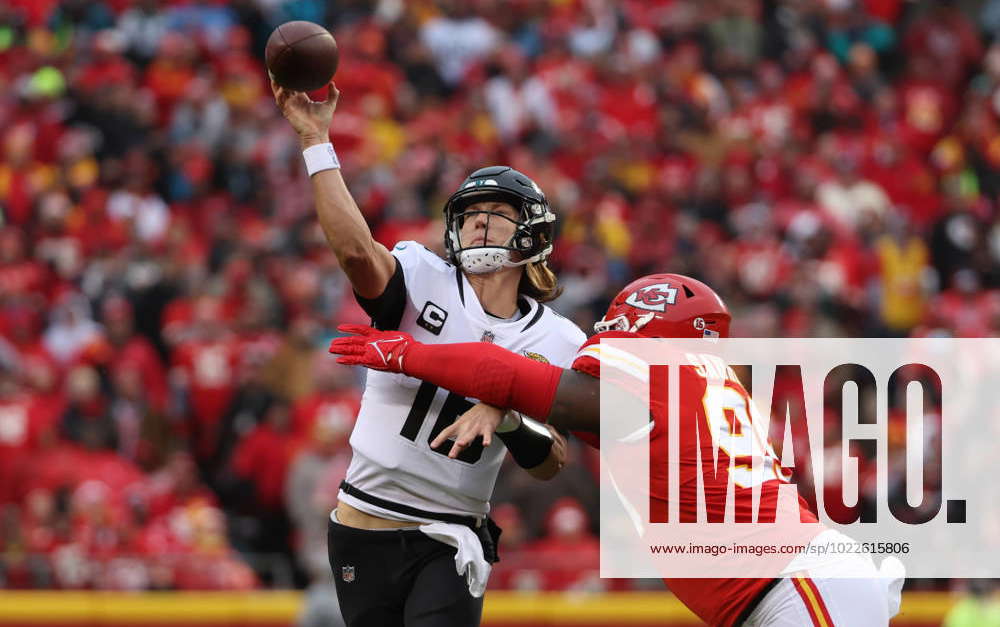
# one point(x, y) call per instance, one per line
point(653, 297)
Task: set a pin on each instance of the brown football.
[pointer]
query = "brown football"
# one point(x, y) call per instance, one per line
point(301, 56)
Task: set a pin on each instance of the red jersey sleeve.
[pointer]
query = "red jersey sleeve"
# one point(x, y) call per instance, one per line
point(621, 367)
point(589, 359)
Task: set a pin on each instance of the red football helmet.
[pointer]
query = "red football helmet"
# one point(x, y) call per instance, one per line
point(667, 305)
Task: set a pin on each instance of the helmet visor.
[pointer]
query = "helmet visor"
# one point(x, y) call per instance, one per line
point(485, 225)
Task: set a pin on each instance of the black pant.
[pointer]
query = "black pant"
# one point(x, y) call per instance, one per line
point(397, 578)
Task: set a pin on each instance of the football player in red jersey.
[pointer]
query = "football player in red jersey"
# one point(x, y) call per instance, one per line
point(655, 306)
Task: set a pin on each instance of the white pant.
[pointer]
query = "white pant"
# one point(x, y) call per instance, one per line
point(828, 591)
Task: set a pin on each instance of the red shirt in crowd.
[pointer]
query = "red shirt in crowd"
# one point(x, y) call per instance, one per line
point(263, 457)
point(337, 410)
point(210, 368)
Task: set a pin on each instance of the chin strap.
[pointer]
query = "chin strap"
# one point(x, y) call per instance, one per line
point(490, 259)
point(484, 260)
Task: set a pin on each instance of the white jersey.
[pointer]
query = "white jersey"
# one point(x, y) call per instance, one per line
point(400, 415)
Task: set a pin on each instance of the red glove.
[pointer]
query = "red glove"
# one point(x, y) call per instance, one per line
point(378, 350)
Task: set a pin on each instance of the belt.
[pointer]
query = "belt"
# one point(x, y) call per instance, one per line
point(469, 521)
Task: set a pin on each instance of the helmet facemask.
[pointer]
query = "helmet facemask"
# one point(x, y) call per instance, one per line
point(527, 243)
point(622, 323)
point(478, 257)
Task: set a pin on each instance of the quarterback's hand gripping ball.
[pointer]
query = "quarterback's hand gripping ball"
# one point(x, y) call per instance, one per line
point(379, 350)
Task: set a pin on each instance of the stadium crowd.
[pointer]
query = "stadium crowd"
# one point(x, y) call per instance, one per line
point(168, 415)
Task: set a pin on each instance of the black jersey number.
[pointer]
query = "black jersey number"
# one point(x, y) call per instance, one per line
point(454, 406)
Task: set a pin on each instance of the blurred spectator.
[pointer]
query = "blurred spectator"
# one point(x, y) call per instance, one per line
point(204, 373)
point(848, 25)
point(25, 426)
point(20, 275)
point(595, 29)
point(904, 265)
point(736, 35)
point(262, 459)
point(311, 493)
point(128, 351)
point(72, 329)
point(142, 27)
point(334, 401)
point(517, 568)
point(574, 481)
point(289, 373)
point(569, 551)
point(457, 39)
point(966, 309)
point(144, 433)
point(949, 37)
point(86, 419)
point(137, 204)
point(850, 199)
point(517, 101)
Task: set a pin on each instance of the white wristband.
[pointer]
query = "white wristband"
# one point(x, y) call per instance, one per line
point(320, 157)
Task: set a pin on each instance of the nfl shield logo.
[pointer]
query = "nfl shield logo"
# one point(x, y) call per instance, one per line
point(487, 337)
point(347, 573)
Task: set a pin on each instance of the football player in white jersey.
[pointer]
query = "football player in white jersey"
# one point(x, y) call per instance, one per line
point(410, 541)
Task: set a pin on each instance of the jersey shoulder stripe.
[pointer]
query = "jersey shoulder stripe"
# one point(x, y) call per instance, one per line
point(555, 328)
point(593, 353)
point(535, 318)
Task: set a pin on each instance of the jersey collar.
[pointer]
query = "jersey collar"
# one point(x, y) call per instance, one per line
point(531, 310)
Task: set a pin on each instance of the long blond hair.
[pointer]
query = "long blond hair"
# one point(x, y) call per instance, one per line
point(539, 282)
